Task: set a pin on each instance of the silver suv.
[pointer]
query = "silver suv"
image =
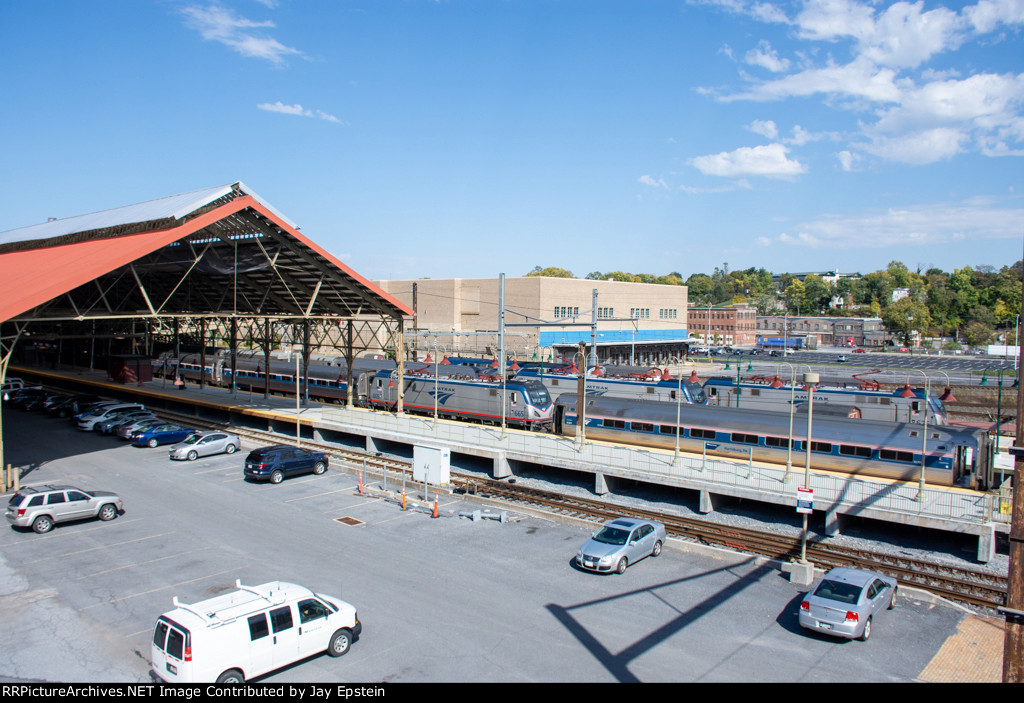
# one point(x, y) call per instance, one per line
point(43, 506)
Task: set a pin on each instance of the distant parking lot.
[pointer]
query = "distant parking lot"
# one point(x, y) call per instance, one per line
point(442, 599)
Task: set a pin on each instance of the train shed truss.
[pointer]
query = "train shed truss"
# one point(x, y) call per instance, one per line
point(217, 267)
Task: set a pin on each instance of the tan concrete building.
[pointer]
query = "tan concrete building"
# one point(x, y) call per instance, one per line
point(645, 322)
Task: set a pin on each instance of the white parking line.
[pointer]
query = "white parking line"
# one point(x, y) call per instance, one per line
point(157, 590)
point(141, 563)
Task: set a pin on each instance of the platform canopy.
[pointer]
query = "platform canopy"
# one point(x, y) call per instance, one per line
point(220, 251)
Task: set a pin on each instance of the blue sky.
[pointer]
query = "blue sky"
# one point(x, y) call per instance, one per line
point(468, 138)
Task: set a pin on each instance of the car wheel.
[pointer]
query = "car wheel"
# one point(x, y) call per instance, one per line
point(42, 524)
point(621, 568)
point(231, 676)
point(152, 442)
point(319, 468)
point(108, 512)
point(657, 549)
point(867, 631)
point(193, 455)
point(341, 641)
point(231, 449)
point(277, 476)
point(892, 601)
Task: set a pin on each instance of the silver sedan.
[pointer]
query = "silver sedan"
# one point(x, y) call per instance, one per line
point(619, 543)
point(204, 444)
point(845, 601)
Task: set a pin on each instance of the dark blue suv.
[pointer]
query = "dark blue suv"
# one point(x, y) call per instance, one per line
point(275, 462)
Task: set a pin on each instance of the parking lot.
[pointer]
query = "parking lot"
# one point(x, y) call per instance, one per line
point(444, 599)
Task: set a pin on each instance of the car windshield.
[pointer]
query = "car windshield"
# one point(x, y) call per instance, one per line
point(192, 439)
point(838, 591)
point(611, 535)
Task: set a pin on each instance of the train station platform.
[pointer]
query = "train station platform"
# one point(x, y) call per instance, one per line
point(838, 496)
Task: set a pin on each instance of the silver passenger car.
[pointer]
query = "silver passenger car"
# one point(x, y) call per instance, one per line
point(844, 602)
point(205, 444)
point(619, 543)
point(41, 507)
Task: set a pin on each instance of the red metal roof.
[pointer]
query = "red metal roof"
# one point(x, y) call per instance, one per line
point(31, 277)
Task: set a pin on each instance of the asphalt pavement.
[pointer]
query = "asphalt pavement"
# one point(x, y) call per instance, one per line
point(444, 599)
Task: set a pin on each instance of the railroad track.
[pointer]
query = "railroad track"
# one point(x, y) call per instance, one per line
point(970, 586)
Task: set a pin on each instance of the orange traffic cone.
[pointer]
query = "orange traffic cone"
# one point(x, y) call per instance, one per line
point(435, 506)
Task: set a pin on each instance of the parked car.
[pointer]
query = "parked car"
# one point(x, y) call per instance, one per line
point(841, 358)
point(161, 434)
point(844, 602)
point(13, 384)
point(126, 431)
point(276, 462)
point(204, 444)
point(619, 543)
point(40, 402)
point(42, 507)
point(22, 396)
point(860, 351)
point(89, 420)
point(107, 425)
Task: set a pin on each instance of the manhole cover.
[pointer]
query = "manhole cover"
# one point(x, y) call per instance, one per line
point(348, 521)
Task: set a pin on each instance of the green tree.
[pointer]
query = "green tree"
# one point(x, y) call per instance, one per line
point(905, 316)
point(551, 272)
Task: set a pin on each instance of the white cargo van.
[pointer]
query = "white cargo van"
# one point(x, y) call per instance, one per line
point(249, 632)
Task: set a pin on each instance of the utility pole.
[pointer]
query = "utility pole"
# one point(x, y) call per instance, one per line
point(1013, 638)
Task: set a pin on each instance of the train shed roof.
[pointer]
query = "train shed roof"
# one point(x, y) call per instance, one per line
point(217, 251)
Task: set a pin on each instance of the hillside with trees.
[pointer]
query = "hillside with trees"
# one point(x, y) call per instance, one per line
point(971, 304)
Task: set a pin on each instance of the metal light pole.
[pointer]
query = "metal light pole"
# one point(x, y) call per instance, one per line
point(792, 408)
point(581, 396)
point(437, 348)
point(924, 435)
point(679, 406)
point(811, 379)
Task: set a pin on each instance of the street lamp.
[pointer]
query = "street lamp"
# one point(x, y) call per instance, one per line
point(792, 408)
point(810, 380)
point(437, 350)
point(924, 434)
point(581, 399)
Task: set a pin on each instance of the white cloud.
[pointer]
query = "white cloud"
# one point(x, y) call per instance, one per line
point(847, 159)
point(220, 24)
point(741, 184)
point(296, 110)
point(766, 57)
point(650, 181)
point(919, 148)
point(769, 160)
point(766, 128)
point(859, 79)
point(926, 225)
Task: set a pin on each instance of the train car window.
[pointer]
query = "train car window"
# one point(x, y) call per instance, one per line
point(852, 450)
point(913, 433)
point(641, 427)
point(821, 447)
point(621, 424)
point(885, 401)
point(777, 442)
point(744, 438)
point(670, 429)
point(755, 391)
point(892, 455)
point(702, 434)
point(650, 389)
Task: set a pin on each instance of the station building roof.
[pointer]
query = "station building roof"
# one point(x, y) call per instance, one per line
point(221, 251)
